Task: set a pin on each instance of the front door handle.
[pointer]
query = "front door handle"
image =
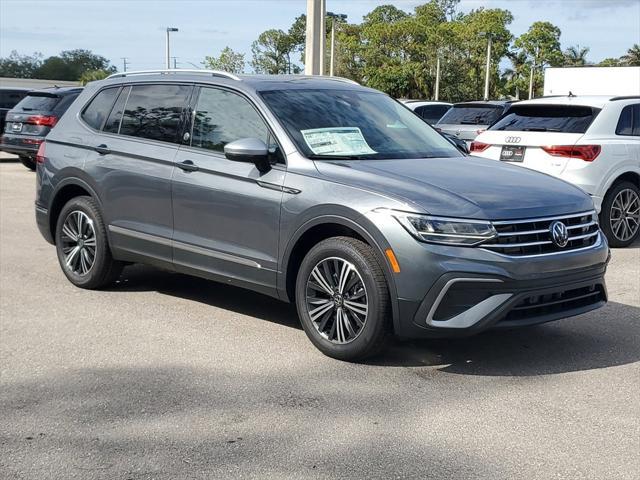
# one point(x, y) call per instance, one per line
point(188, 166)
point(102, 149)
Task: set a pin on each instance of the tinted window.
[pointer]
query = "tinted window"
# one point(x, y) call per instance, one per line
point(471, 115)
point(432, 113)
point(354, 124)
point(10, 98)
point(155, 111)
point(65, 102)
point(38, 102)
point(96, 113)
point(112, 124)
point(629, 122)
point(222, 117)
point(547, 118)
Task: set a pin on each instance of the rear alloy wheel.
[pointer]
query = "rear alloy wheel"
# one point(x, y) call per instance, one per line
point(82, 245)
point(28, 162)
point(620, 217)
point(343, 299)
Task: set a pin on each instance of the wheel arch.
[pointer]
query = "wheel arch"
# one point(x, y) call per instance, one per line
point(67, 189)
point(327, 226)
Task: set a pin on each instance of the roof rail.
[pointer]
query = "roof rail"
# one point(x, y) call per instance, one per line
point(625, 97)
point(214, 73)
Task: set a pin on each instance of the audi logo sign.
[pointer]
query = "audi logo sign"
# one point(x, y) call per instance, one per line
point(512, 139)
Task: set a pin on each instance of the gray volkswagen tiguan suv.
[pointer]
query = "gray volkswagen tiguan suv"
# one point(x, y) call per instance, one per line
point(316, 191)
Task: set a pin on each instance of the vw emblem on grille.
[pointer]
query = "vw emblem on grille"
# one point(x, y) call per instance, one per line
point(559, 234)
point(512, 139)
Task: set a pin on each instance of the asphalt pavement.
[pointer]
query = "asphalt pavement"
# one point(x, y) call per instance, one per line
point(165, 376)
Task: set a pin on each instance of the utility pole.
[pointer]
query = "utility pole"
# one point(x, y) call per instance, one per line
point(333, 17)
point(124, 63)
point(437, 92)
point(168, 50)
point(315, 37)
point(533, 67)
point(488, 67)
point(175, 62)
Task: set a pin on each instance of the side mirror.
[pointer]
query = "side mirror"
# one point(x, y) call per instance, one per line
point(249, 150)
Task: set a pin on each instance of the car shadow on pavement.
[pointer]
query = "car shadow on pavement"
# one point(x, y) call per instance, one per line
point(603, 338)
point(136, 278)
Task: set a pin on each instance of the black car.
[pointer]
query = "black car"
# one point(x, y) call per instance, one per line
point(9, 98)
point(29, 122)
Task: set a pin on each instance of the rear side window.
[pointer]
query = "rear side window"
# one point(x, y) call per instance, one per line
point(471, 115)
point(432, 113)
point(38, 102)
point(96, 113)
point(10, 98)
point(222, 117)
point(155, 111)
point(547, 118)
point(629, 122)
point(112, 125)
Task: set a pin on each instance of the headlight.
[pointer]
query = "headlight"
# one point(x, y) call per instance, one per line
point(447, 231)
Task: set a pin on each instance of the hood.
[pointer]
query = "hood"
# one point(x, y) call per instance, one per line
point(466, 187)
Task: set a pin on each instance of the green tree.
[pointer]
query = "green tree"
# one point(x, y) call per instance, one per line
point(575, 56)
point(541, 45)
point(272, 53)
point(632, 57)
point(93, 75)
point(71, 64)
point(20, 66)
point(610, 62)
point(228, 61)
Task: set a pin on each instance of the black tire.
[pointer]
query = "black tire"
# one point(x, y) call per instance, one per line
point(373, 333)
point(104, 270)
point(28, 162)
point(615, 236)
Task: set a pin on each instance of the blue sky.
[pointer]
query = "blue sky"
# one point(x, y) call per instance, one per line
point(135, 28)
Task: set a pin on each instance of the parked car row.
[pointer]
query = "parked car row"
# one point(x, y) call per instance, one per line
point(27, 122)
point(315, 191)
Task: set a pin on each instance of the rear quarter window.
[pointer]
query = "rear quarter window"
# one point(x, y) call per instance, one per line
point(547, 118)
point(97, 111)
point(629, 121)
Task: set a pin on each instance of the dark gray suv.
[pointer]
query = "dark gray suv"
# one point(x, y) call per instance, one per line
point(315, 191)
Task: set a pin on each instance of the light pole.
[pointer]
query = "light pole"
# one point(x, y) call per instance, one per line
point(333, 17)
point(437, 92)
point(488, 67)
point(315, 38)
point(168, 52)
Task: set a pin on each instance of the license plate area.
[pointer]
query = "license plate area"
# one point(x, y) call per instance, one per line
point(512, 153)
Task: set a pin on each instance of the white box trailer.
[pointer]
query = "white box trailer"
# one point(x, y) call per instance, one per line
point(617, 81)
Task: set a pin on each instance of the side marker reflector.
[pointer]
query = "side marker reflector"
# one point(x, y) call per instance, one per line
point(395, 266)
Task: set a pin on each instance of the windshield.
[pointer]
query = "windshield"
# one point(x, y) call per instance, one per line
point(352, 124)
point(547, 118)
point(471, 115)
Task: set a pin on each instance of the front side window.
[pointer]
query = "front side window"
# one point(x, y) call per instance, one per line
point(155, 111)
point(222, 117)
point(330, 124)
point(547, 118)
point(629, 121)
point(96, 112)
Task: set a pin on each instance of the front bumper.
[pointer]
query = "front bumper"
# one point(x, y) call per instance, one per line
point(447, 291)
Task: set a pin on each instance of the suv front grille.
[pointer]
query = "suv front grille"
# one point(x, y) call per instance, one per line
point(533, 237)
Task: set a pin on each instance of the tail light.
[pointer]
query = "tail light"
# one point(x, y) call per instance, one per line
point(588, 153)
point(479, 146)
point(40, 158)
point(44, 120)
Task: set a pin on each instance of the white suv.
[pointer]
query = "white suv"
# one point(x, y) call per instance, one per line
point(592, 142)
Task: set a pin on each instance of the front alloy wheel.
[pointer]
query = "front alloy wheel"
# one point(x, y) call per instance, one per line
point(337, 301)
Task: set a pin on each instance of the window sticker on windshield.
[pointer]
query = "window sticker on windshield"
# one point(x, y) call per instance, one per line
point(337, 141)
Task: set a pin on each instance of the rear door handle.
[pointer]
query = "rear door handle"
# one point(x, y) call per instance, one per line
point(102, 149)
point(188, 166)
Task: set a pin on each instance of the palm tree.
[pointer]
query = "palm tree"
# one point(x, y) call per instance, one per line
point(632, 57)
point(575, 56)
